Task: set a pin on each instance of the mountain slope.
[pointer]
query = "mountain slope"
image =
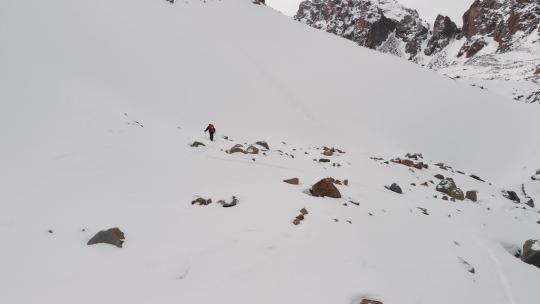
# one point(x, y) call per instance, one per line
point(104, 97)
point(498, 46)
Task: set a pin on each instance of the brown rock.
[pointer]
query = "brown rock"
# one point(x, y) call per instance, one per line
point(196, 144)
point(304, 211)
point(300, 217)
point(419, 165)
point(325, 188)
point(328, 153)
point(395, 188)
point(407, 162)
point(201, 201)
point(471, 195)
point(292, 181)
point(531, 252)
point(296, 222)
point(236, 149)
point(113, 236)
point(370, 301)
point(252, 150)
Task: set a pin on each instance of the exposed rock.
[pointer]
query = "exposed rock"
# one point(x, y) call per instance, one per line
point(263, 144)
point(201, 201)
point(236, 149)
point(367, 24)
point(448, 187)
point(531, 252)
point(304, 211)
point(445, 198)
point(415, 156)
point(252, 150)
point(197, 144)
point(439, 176)
point(325, 188)
point(471, 195)
point(296, 222)
point(346, 182)
point(233, 203)
point(292, 181)
point(113, 236)
point(328, 153)
point(511, 195)
point(395, 188)
point(370, 301)
point(477, 178)
point(300, 217)
point(324, 160)
point(444, 30)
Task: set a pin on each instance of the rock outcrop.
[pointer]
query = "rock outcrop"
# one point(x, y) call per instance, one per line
point(113, 236)
point(448, 187)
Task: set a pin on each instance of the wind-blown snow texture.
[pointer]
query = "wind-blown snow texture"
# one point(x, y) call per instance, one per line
point(100, 100)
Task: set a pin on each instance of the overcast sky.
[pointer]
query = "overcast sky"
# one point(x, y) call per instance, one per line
point(428, 9)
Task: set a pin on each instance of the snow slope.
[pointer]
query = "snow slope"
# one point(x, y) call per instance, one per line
point(100, 100)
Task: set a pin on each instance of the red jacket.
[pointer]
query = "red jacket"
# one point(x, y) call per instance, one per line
point(210, 129)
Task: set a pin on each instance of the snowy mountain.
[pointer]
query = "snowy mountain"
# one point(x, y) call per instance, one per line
point(103, 100)
point(498, 46)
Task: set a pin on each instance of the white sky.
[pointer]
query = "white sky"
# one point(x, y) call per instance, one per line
point(428, 9)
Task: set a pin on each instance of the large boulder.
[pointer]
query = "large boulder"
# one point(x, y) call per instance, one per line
point(531, 252)
point(448, 187)
point(113, 236)
point(325, 188)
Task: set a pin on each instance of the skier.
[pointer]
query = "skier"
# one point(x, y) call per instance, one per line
point(211, 129)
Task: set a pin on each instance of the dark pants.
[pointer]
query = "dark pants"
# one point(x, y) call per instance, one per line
point(211, 136)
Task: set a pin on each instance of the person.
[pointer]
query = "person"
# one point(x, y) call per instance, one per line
point(211, 129)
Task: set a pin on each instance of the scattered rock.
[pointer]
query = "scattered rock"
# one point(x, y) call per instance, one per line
point(304, 211)
point(233, 203)
point(197, 144)
point(439, 176)
point(395, 188)
point(531, 252)
point(292, 181)
point(445, 198)
point(236, 149)
point(252, 150)
point(324, 160)
point(477, 178)
point(414, 156)
point(201, 201)
point(263, 144)
point(448, 186)
point(425, 184)
point(113, 236)
point(300, 217)
point(50, 231)
point(346, 182)
point(370, 301)
point(424, 210)
point(511, 195)
point(471, 195)
point(296, 222)
point(325, 188)
point(328, 153)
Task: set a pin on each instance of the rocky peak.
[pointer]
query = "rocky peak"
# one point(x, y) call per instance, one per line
point(444, 30)
point(506, 21)
point(369, 23)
